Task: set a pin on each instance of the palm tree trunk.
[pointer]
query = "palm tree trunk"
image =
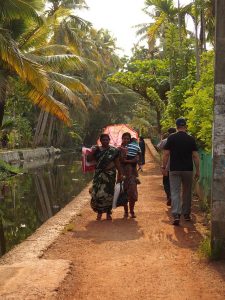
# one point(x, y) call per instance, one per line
point(43, 127)
point(50, 131)
point(3, 89)
point(42, 121)
point(179, 24)
point(158, 118)
point(2, 239)
point(202, 32)
point(196, 43)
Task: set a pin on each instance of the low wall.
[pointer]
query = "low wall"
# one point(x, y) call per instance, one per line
point(152, 149)
point(14, 156)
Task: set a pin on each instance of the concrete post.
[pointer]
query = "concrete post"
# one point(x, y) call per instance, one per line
point(218, 183)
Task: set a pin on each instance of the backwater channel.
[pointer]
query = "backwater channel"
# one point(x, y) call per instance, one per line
point(29, 199)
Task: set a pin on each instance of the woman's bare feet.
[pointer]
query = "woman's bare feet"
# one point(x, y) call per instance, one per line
point(99, 216)
point(132, 215)
point(108, 217)
point(125, 215)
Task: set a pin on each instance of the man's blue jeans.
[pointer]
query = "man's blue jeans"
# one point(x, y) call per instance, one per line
point(181, 204)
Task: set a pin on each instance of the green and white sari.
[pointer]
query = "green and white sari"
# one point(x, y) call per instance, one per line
point(104, 180)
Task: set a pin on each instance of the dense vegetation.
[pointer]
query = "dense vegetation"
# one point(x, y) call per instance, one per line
point(175, 74)
point(53, 69)
point(57, 86)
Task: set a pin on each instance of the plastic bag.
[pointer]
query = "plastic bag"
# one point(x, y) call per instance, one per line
point(116, 195)
point(120, 196)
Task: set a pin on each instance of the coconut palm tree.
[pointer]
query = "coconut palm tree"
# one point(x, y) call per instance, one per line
point(164, 13)
point(202, 13)
point(62, 38)
point(15, 16)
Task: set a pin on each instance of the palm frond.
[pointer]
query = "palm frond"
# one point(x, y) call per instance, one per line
point(80, 23)
point(143, 29)
point(51, 105)
point(38, 5)
point(153, 29)
point(17, 9)
point(51, 49)
point(72, 38)
point(62, 61)
point(36, 37)
point(67, 94)
point(27, 69)
point(43, 33)
point(71, 82)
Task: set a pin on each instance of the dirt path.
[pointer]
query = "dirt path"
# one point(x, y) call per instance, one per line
point(143, 258)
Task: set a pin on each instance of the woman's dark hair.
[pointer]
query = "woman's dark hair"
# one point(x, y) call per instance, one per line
point(104, 135)
point(171, 130)
point(126, 134)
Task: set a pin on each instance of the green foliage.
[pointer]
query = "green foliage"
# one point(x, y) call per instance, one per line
point(139, 75)
point(17, 103)
point(75, 60)
point(7, 170)
point(154, 98)
point(206, 252)
point(148, 78)
point(179, 52)
point(23, 132)
point(144, 118)
point(194, 101)
point(198, 105)
point(176, 98)
point(121, 111)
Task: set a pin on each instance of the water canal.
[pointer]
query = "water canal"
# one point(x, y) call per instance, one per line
point(29, 199)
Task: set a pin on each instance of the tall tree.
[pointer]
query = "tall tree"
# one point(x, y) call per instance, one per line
point(14, 15)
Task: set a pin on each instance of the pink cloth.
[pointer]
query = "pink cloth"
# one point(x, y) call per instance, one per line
point(87, 166)
point(115, 133)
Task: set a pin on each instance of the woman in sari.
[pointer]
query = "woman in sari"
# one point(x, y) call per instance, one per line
point(129, 173)
point(107, 161)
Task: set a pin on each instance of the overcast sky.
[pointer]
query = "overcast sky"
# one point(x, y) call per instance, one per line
point(119, 16)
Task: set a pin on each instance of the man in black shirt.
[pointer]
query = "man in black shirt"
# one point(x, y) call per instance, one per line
point(182, 151)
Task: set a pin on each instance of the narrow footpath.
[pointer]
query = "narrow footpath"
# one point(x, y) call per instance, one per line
point(143, 258)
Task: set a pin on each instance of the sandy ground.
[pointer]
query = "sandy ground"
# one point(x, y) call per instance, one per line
point(30, 280)
point(143, 258)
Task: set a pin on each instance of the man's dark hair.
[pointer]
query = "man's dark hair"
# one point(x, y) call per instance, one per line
point(181, 122)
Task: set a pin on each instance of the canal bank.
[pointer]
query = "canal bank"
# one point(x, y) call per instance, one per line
point(40, 191)
point(23, 272)
point(18, 156)
point(36, 244)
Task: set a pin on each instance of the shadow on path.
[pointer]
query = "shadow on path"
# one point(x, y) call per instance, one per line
point(116, 230)
point(186, 235)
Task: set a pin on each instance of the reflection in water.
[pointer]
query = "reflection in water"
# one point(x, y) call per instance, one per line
point(28, 200)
